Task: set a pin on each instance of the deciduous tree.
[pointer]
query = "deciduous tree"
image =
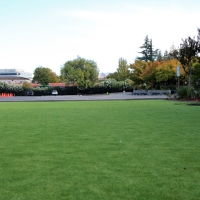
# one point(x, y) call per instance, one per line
point(44, 76)
point(137, 69)
point(187, 54)
point(166, 72)
point(26, 85)
point(113, 75)
point(123, 70)
point(149, 73)
point(80, 72)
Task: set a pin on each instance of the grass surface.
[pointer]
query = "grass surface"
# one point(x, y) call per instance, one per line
point(99, 150)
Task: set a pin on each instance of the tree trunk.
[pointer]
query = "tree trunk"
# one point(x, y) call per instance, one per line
point(189, 79)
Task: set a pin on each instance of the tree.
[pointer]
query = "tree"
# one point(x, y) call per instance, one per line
point(26, 85)
point(166, 56)
point(187, 54)
point(152, 53)
point(159, 56)
point(137, 70)
point(166, 72)
point(80, 72)
point(44, 76)
point(123, 70)
point(149, 73)
point(54, 78)
point(148, 53)
point(196, 75)
point(113, 75)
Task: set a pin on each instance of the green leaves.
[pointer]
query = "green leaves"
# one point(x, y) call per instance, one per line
point(17, 90)
point(45, 76)
point(148, 53)
point(187, 54)
point(123, 69)
point(80, 72)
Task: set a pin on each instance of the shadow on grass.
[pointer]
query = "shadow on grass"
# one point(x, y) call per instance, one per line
point(188, 104)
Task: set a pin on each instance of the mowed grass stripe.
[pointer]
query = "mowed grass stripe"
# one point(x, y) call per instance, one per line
point(99, 150)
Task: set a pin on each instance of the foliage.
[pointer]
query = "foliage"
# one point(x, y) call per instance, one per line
point(123, 69)
point(148, 53)
point(166, 71)
point(166, 56)
point(108, 83)
point(80, 72)
point(183, 92)
point(191, 92)
point(149, 73)
point(187, 54)
point(44, 76)
point(196, 75)
point(3, 86)
point(125, 85)
point(186, 92)
point(137, 69)
point(155, 74)
point(122, 72)
point(116, 86)
point(114, 75)
point(26, 85)
point(16, 90)
point(159, 56)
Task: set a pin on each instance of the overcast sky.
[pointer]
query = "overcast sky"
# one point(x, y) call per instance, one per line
point(50, 32)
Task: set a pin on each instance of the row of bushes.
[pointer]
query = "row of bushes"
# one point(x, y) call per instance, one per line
point(188, 92)
point(108, 86)
point(68, 90)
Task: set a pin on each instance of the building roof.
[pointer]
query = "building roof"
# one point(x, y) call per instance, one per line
point(35, 85)
point(57, 84)
point(13, 78)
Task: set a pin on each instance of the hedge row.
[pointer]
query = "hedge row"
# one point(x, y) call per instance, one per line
point(68, 90)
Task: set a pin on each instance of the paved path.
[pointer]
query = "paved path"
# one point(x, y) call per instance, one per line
point(112, 96)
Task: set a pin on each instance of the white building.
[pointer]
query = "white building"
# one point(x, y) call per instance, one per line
point(15, 76)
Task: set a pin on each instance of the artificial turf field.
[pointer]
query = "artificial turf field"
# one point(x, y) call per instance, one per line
point(142, 149)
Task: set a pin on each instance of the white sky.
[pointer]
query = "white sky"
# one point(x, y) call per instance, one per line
point(50, 32)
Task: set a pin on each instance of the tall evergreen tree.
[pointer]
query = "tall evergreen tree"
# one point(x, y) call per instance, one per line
point(144, 51)
point(159, 56)
point(148, 53)
point(152, 53)
point(166, 56)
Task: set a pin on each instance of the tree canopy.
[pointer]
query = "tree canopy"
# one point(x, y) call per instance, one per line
point(123, 69)
point(137, 70)
point(148, 53)
point(187, 54)
point(80, 72)
point(44, 76)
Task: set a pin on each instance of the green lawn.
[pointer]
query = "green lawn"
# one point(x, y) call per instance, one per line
point(142, 149)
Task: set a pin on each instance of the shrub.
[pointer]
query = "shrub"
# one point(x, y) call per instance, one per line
point(182, 92)
point(26, 85)
point(186, 92)
point(190, 92)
